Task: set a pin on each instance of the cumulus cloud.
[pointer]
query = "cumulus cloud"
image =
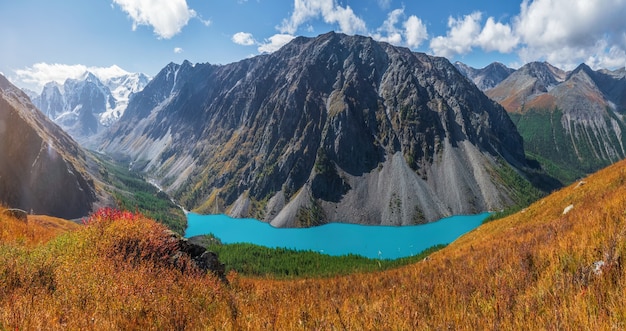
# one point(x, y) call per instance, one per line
point(496, 36)
point(388, 32)
point(39, 74)
point(468, 32)
point(275, 42)
point(167, 17)
point(412, 33)
point(243, 38)
point(415, 31)
point(567, 32)
point(460, 37)
point(328, 10)
point(178, 50)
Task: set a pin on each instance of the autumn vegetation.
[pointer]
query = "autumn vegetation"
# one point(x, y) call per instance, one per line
point(539, 269)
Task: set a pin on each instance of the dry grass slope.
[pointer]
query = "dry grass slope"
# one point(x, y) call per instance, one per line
point(38, 229)
point(115, 273)
point(538, 269)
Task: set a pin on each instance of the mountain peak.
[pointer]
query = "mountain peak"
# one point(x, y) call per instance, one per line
point(316, 127)
point(83, 105)
point(487, 77)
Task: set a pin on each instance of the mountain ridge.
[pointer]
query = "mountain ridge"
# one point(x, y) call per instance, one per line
point(573, 121)
point(283, 139)
point(487, 77)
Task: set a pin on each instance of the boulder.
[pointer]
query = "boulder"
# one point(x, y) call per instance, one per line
point(202, 258)
point(17, 214)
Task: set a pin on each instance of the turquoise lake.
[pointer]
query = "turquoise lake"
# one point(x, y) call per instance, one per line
point(385, 242)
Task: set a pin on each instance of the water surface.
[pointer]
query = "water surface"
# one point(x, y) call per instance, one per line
point(386, 242)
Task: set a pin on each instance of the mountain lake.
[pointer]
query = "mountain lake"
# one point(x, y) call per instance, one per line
point(372, 241)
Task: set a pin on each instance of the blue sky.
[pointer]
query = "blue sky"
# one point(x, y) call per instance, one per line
point(44, 40)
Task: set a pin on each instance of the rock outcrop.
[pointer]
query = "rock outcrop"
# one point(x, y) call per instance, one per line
point(202, 258)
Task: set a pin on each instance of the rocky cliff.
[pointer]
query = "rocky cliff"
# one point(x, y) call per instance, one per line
point(41, 168)
point(334, 128)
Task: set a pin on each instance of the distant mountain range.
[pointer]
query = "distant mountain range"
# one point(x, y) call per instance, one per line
point(487, 77)
point(334, 128)
point(82, 107)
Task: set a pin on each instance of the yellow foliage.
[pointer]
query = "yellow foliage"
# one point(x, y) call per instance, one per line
point(535, 270)
point(38, 228)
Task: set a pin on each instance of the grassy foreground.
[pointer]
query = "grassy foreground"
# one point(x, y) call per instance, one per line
point(558, 264)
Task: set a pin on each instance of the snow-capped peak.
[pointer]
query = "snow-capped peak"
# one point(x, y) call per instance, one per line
point(104, 93)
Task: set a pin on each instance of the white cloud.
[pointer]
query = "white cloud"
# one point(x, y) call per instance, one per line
point(275, 42)
point(567, 32)
point(388, 32)
point(167, 17)
point(178, 50)
point(496, 36)
point(466, 33)
point(460, 38)
point(203, 21)
point(562, 32)
point(329, 10)
point(415, 31)
point(243, 38)
point(384, 4)
point(39, 74)
point(614, 57)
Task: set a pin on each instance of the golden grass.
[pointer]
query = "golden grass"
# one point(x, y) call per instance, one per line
point(38, 229)
point(116, 273)
point(536, 270)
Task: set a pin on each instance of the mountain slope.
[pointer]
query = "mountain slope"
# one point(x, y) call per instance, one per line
point(556, 265)
point(529, 81)
point(487, 77)
point(333, 128)
point(41, 168)
point(572, 121)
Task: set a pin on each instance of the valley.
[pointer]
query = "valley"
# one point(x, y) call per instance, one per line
point(329, 129)
point(545, 267)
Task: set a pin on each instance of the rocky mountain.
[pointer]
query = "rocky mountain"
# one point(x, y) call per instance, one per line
point(528, 82)
point(487, 77)
point(41, 168)
point(572, 121)
point(82, 107)
point(329, 129)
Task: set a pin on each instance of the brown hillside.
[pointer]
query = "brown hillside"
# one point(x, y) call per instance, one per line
point(539, 269)
point(38, 229)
